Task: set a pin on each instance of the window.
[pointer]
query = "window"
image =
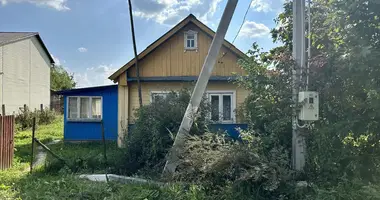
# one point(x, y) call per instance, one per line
point(191, 40)
point(222, 106)
point(84, 108)
point(155, 95)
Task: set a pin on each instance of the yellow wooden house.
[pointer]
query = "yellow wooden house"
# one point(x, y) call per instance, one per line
point(173, 62)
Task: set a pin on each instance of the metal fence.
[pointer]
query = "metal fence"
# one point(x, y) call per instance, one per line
point(6, 141)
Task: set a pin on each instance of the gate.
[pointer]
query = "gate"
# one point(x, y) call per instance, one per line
point(6, 141)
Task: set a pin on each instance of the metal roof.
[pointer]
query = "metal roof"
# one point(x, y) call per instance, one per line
point(10, 37)
point(85, 89)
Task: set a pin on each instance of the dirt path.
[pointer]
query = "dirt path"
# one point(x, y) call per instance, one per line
point(41, 154)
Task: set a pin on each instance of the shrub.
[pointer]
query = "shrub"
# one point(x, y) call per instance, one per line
point(24, 119)
point(155, 129)
point(46, 116)
point(236, 170)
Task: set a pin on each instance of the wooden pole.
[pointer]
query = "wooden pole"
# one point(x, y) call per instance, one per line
point(32, 152)
point(135, 52)
point(42, 107)
point(104, 150)
point(48, 150)
point(200, 87)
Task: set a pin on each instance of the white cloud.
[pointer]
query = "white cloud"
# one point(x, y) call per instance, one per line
point(56, 60)
point(261, 5)
point(82, 49)
point(170, 12)
point(95, 76)
point(59, 5)
point(252, 29)
point(268, 5)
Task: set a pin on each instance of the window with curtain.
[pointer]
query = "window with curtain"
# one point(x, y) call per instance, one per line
point(191, 40)
point(157, 95)
point(84, 108)
point(73, 107)
point(96, 108)
point(222, 106)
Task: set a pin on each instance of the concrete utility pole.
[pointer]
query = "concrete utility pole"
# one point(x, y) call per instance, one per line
point(299, 54)
point(200, 87)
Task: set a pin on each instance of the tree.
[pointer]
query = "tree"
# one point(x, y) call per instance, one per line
point(61, 79)
point(345, 66)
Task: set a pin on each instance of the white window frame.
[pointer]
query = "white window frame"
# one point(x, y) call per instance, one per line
point(220, 93)
point(191, 32)
point(78, 108)
point(157, 92)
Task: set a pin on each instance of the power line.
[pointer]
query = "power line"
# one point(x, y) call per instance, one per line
point(245, 15)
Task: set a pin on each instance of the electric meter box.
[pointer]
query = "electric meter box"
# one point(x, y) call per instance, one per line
point(309, 102)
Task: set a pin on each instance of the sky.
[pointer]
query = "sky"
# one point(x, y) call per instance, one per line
point(92, 38)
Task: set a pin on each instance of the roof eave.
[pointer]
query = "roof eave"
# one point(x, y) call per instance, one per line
point(38, 38)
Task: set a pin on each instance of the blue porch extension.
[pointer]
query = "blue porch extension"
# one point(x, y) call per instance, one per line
point(85, 108)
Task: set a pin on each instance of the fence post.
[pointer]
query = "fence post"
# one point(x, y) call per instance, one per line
point(32, 153)
point(105, 150)
point(25, 107)
point(3, 109)
point(42, 107)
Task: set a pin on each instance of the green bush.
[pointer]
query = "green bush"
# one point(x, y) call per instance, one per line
point(46, 116)
point(155, 128)
point(24, 119)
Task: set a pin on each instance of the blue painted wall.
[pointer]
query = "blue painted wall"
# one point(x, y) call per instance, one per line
point(230, 128)
point(74, 130)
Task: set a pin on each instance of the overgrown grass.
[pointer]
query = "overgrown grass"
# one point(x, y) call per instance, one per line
point(69, 186)
point(86, 158)
point(44, 133)
point(57, 181)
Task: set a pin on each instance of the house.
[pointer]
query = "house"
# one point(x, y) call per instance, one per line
point(24, 71)
point(171, 63)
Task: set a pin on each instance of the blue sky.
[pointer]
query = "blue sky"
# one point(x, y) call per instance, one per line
point(92, 39)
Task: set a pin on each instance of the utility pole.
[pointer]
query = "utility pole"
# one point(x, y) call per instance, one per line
point(298, 140)
point(200, 87)
point(135, 52)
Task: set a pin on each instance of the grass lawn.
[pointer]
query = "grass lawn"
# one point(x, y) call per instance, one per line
point(58, 181)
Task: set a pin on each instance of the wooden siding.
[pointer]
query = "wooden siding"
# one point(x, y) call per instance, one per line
point(171, 59)
point(147, 87)
point(123, 110)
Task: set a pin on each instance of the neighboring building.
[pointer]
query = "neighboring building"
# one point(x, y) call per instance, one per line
point(171, 63)
point(24, 71)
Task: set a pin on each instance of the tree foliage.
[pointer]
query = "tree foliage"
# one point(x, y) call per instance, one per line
point(61, 79)
point(344, 145)
point(154, 130)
